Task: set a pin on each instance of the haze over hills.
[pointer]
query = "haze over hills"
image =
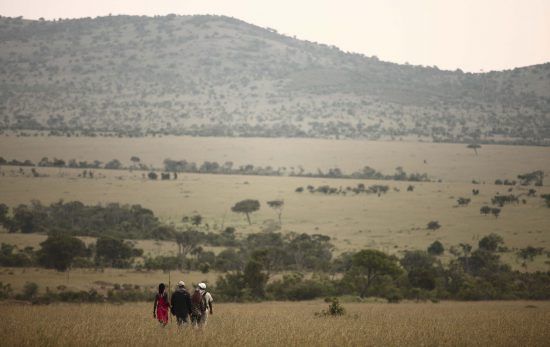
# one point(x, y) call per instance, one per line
point(219, 76)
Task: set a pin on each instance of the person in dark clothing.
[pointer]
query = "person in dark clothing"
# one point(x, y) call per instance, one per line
point(181, 303)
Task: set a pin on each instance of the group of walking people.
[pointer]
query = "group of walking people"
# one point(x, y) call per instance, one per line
point(183, 305)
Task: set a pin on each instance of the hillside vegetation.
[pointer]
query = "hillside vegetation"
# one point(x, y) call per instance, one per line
point(219, 76)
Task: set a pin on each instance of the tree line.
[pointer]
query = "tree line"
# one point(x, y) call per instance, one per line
point(419, 275)
point(310, 271)
point(76, 218)
point(228, 168)
point(213, 167)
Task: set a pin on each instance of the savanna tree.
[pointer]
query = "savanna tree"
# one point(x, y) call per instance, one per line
point(474, 146)
point(247, 207)
point(59, 251)
point(367, 267)
point(277, 205)
point(490, 242)
point(433, 225)
point(436, 248)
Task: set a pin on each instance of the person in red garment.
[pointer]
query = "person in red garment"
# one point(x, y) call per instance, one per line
point(161, 305)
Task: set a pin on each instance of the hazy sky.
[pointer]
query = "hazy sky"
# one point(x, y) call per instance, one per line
point(467, 34)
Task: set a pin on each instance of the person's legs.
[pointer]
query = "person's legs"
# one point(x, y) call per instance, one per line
point(204, 318)
point(194, 320)
point(182, 321)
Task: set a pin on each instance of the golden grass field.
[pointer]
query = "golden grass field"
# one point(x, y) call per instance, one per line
point(517, 323)
point(394, 222)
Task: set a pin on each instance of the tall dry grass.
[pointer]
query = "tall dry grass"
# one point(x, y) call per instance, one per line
point(270, 324)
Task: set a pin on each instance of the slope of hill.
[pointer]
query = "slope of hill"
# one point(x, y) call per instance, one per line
point(218, 76)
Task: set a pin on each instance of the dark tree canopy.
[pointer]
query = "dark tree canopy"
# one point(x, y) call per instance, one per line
point(59, 251)
point(436, 248)
point(114, 164)
point(490, 242)
point(421, 270)
point(113, 251)
point(75, 218)
point(246, 206)
point(367, 267)
point(433, 225)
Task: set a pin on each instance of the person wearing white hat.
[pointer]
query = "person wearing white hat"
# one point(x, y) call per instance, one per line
point(201, 305)
point(208, 300)
point(181, 304)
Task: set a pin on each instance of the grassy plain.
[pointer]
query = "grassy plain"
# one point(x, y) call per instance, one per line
point(100, 280)
point(394, 222)
point(449, 162)
point(286, 324)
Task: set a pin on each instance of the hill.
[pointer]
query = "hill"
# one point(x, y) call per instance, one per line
point(219, 76)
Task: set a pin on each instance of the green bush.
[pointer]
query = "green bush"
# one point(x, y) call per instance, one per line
point(334, 309)
point(5, 291)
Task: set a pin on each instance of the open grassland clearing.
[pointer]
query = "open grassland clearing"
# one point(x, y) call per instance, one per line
point(274, 323)
point(99, 280)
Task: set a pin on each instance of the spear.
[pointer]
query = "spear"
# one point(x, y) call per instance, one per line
point(169, 296)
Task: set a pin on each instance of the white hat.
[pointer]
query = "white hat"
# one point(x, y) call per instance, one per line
point(202, 285)
point(181, 284)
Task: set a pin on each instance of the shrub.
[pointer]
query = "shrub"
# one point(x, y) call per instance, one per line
point(490, 242)
point(5, 290)
point(394, 296)
point(433, 225)
point(334, 309)
point(30, 290)
point(436, 248)
point(485, 210)
point(463, 201)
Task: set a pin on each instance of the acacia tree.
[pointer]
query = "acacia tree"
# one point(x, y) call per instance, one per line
point(187, 241)
point(135, 160)
point(246, 206)
point(369, 265)
point(474, 146)
point(528, 254)
point(277, 205)
point(490, 242)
